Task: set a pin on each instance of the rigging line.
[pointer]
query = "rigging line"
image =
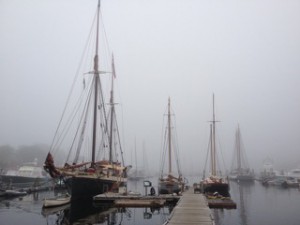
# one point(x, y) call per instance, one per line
point(83, 128)
point(176, 149)
point(104, 32)
point(233, 158)
point(176, 144)
point(107, 53)
point(71, 91)
point(207, 153)
point(104, 124)
point(69, 122)
point(176, 157)
point(118, 134)
point(161, 146)
point(102, 143)
point(164, 141)
point(164, 152)
point(103, 105)
point(83, 115)
point(222, 155)
point(244, 153)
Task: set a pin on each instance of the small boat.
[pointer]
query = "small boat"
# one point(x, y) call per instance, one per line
point(28, 175)
point(279, 180)
point(169, 183)
point(240, 170)
point(295, 173)
point(12, 193)
point(214, 185)
point(136, 173)
point(268, 173)
point(57, 201)
point(47, 211)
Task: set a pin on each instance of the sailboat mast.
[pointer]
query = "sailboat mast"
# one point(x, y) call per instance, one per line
point(169, 137)
point(112, 112)
point(238, 148)
point(96, 80)
point(211, 150)
point(213, 144)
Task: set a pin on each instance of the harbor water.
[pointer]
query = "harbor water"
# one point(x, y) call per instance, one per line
point(256, 204)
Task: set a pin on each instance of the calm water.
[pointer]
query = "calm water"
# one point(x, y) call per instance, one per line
point(256, 205)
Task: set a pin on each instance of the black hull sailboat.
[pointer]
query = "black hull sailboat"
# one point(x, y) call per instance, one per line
point(87, 187)
point(169, 184)
point(214, 185)
point(93, 165)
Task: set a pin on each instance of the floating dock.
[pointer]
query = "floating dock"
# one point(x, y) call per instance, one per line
point(191, 209)
point(123, 200)
point(225, 203)
point(140, 203)
point(192, 202)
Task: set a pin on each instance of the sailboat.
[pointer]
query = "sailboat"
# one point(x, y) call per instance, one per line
point(92, 166)
point(169, 183)
point(240, 171)
point(214, 184)
point(136, 173)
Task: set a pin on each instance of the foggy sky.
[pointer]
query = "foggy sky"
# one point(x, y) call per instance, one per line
point(245, 52)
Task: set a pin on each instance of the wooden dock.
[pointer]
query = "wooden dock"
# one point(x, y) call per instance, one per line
point(226, 203)
point(191, 209)
point(140, 203)
point(123, 200)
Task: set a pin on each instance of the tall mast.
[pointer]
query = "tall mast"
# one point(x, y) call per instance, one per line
point(96, 80)
point(211, 150)
point(112, 112)
point(213, 143)
point(169, 137)
point(238, 148)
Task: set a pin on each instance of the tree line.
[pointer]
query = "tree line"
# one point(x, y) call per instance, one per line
point(14, 157)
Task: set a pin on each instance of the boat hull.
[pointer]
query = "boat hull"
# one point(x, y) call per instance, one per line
point(87, 187)
point(24, 182)
point(59, 201)
point(169, 187)
point(242, 178)
point(220, 188)
point(245, 178)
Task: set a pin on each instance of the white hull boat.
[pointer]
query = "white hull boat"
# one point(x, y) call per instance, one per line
point(57, 201)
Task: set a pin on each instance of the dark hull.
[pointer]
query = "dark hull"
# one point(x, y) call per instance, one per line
point(83, 187)
point(169, 188)
point(245, 178)
point(242, 178)
point(221, 188)
point(25, 182)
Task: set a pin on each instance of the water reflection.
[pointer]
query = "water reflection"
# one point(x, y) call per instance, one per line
point(242, 209)
point(241, 193)
point(85, 212)
point(256, 204)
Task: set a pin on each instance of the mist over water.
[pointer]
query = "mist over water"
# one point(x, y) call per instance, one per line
point(246, 53)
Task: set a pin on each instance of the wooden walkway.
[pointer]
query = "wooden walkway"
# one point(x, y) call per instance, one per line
point(191, 209)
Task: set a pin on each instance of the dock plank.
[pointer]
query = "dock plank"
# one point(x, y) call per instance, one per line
point(190, 210)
